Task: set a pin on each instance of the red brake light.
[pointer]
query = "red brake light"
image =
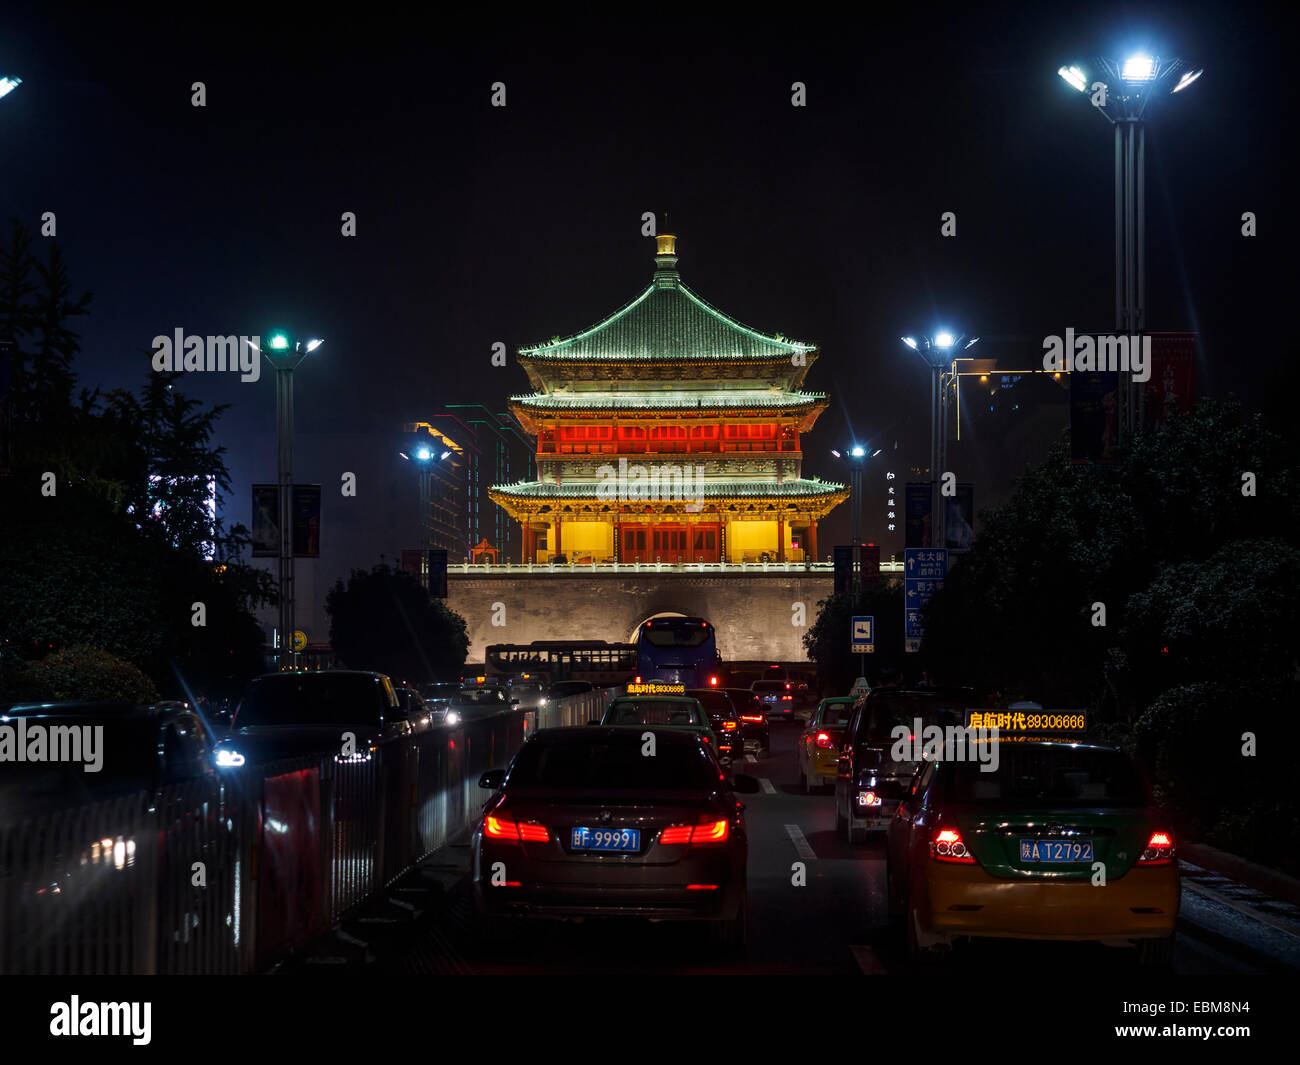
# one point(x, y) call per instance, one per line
point(787, 687)
point(534, 833)
point(728, 726)
point(751, 717)
point(704, 832)
point(823, 739)
point(501, 828)
point(1159, 849)
point(713, 680)
point(946, 845)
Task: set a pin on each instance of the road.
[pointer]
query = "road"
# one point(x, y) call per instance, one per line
point(835, 922)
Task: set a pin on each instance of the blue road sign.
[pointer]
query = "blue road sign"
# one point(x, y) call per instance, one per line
point(924, 569)
point(863, 640)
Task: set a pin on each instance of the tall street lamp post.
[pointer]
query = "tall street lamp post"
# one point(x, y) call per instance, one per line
point(284, 354)
point(855, 458)
point(938, 351)
point(1121, 92)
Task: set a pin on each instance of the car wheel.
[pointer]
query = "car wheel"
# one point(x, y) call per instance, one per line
point(1156, 953)
point(733, 934)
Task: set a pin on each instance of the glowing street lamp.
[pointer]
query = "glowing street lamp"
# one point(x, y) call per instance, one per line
point(8, 84)
point(1121, 91)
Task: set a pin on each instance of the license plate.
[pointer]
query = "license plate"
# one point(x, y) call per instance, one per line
point(1055, 850)
point(605, 839)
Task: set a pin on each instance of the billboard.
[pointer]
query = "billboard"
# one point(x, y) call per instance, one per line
point(266, 521)
point(1171, 387)
point(1094, 415)
point(306, 521)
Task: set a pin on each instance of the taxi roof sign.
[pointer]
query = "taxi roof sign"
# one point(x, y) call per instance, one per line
point(656, 689)
point(1021, 719)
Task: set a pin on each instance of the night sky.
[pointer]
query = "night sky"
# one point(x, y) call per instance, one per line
point(478, 225)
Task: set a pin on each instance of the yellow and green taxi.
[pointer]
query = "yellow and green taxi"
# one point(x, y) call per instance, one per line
point(1034, 837)
point(817, 752)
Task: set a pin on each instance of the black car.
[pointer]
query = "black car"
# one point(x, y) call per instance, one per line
point(584, 824)
point(106, 750)
point(436, 697)
point(285, 715)
point(871, 781)
point(753, 721)
point(725, 720)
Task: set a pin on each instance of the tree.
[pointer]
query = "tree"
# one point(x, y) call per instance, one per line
point(827, 641)
point(383, 619)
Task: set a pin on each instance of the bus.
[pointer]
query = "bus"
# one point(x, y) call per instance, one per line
point(604, 665)
point(678, 651)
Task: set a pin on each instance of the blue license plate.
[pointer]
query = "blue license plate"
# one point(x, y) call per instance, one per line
point(605, 839)
point(1055, 850)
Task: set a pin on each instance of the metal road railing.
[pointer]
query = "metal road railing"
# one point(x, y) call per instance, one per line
point(230, 873)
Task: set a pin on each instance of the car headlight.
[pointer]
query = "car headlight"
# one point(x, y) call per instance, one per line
point(228, 758)
point(541, 701)
point(452, 718)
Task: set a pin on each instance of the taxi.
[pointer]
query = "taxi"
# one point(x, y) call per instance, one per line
point(1052, 839)
point(817, 752)
point(662, 706)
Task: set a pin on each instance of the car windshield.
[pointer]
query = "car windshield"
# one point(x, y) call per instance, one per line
point(615, 764)
point(677, 635)
point(313, 699)
point(637, 712)
point(1050, 775)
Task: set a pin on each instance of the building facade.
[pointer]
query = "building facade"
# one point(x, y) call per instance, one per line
point(668, 433)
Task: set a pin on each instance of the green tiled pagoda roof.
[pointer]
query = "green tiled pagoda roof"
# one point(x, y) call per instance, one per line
point(667, 322)
point(680, 400)
point(794, 489)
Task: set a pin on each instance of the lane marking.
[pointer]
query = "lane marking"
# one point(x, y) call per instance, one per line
point(801, 845)
point(868, 962)
point(766, 785)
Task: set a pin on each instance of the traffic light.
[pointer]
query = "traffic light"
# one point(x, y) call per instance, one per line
point(438, 573)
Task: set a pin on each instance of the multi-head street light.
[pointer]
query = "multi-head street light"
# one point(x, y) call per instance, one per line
point(1121, 90)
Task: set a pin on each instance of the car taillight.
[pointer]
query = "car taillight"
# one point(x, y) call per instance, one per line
point(751, 717)
point(704, 832)
point(713, 681)
point(824, 739)
point(727, 726)
point(787, 698)
point(503, 828)
point(1159, 849)
point(787, 687)
point(947, 846)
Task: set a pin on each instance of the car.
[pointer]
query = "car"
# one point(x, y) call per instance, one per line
point(777, 697)
point(817, 752)
point(725, 721)
point(753, 722)
point(869, 780)
point(662, 711)
point(530, 692)
point(414, 706)
point(436, 697)
point(476, 702)
point(1014, 852)
point(583, 824)
point(117, 749)
point(287, 715)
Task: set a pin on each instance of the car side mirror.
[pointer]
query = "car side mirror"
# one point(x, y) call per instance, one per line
point(492, 779)
point(744, 784)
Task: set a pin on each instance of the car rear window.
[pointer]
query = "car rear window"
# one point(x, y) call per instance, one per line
point(656, 713)
point(769, 686)
point(883, 714)
point(614, 764)
point(313, 699)
point(836, 714)
point(1057, 775)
